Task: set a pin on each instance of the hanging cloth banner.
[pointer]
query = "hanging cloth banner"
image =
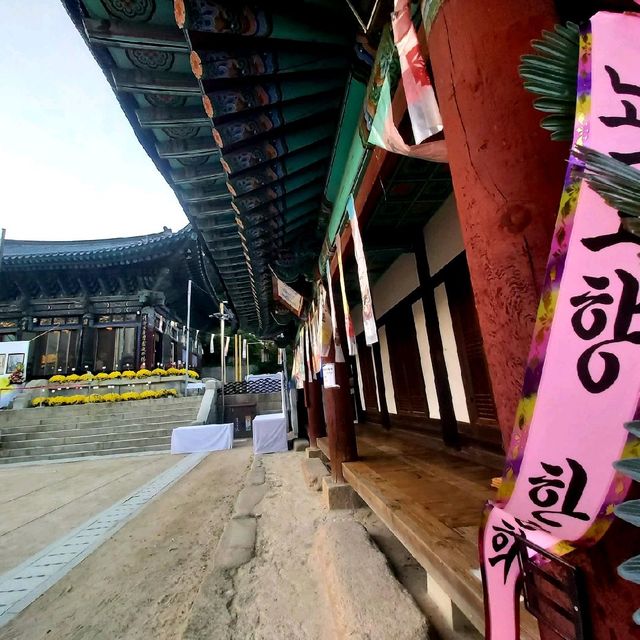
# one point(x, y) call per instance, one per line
point(348, 323)
point(339, 357)
point(378, 126)
point(326, 331)
point(212, 343)
point(307, 355)
point(244, 349)
point(314, 339)
point(288, 296)
point(226, 346)
point(582, 381)
point(368, 319)
point(421, 99)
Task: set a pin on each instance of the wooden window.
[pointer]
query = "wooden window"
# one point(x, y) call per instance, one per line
point(365, 356)
point(404, 359)
point(475, 373)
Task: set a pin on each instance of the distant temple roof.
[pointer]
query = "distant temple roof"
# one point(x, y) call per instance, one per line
point(112, 251)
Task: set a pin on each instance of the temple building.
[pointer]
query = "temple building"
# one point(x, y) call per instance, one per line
point(288, 132)
point(105, 305)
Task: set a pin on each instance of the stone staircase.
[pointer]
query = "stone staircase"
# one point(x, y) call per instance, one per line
point(50, 433)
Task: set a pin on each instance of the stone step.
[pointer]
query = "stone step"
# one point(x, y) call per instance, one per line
point(135, 444)
point(123, 422)
point(80, 412)
point(72, 436)
point(8, 437)
point(160, 448)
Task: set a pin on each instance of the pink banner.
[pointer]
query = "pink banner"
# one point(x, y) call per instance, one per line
point(582, 381)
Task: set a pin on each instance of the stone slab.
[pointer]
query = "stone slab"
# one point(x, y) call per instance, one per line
point(366, 600)
point(300, 444)
point(248, 499)
point(237, 544)
point(256, 476)
point(313, 471)
point(339, 495)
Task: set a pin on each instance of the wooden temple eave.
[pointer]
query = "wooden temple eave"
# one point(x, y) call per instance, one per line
point(270, 102)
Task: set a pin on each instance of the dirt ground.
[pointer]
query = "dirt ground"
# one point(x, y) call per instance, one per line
point(156, 575)
point(140, 583)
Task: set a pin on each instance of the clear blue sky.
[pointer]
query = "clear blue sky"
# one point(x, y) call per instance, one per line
point(70, 164)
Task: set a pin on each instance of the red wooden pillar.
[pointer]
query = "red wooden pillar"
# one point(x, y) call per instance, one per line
point(315, 415)
point(507, 174)
point(338, 409)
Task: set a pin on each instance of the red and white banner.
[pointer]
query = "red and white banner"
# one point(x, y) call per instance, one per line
point(368, 319)
point(582, 381)
point(421, 99)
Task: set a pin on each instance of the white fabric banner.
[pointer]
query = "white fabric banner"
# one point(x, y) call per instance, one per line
point(205, 437)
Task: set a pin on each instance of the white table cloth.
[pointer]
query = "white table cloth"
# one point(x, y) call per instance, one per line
point(270, 433)
point(202, 437)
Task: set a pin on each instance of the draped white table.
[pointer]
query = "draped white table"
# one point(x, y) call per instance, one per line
point(202, 437)
point(270, 433)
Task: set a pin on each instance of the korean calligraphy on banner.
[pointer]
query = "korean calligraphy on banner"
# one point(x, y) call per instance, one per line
point(582, 381)
point(368, 319)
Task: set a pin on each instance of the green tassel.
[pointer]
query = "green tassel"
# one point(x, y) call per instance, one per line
point(552, 74)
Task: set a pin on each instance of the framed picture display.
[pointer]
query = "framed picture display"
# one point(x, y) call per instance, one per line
point(14, 360)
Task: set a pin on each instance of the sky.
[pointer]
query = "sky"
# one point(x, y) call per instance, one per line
point(71, 167)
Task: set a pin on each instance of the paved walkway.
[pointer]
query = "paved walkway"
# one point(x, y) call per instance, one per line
point(21, 586)
point(41, 503)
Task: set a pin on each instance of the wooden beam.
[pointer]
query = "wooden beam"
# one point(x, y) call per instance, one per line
point(134, 35)
point(204, 195)
point(167, 118)
point(189, 148)
point(137, 81)
point(448, 422)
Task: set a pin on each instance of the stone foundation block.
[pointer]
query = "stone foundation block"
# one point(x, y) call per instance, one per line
point(339, 495)
point(313, 452)
point(300, 444)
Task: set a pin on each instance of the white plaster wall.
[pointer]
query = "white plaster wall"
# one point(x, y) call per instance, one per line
point(386, 371)
point(451, 356)
point(425, 359)
point(442, 236)
point(397, 282)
